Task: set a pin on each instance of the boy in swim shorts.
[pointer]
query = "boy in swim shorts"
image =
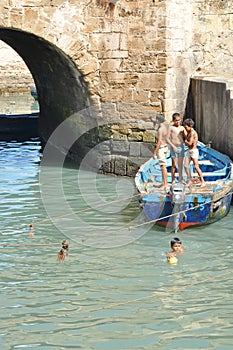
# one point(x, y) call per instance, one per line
point(161, 148)
point(191, 142)
point(177, 134)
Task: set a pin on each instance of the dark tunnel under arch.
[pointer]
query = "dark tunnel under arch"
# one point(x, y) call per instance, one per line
point(61, 87)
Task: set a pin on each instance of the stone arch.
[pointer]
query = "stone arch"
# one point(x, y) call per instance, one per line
point(61, 87)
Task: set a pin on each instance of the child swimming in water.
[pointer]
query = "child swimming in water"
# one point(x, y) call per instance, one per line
point(31, 230)
point(65, 246)
point(61, 255)
point(177, 248)
point(64, 251)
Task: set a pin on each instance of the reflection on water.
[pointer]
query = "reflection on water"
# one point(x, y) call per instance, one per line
point(120, 297)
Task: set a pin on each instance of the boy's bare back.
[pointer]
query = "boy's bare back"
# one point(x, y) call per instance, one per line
point(163, 134)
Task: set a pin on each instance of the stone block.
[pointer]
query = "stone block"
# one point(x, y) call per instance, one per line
point(105, 147)
point(144, 124)
point(112, 65)
point(141, 97)
point(120, 165)
point(136, 136)
point(146, 150)
point(134, 149)
point(108, 164)
point(113, 54)
point(109, 41)
point(137, 44)
point(123, 42)
point(118, 136)
point(120, 147)
point(132, 166)
point(30, 16)
point(92, 26)
point(149, 136)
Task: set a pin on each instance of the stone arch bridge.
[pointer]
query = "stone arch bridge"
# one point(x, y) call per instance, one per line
point(108, 67)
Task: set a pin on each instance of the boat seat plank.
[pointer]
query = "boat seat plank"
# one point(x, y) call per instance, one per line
point(210, 173)
point(205, 162)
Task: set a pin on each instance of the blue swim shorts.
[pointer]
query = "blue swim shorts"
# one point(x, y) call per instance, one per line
point(180, 152)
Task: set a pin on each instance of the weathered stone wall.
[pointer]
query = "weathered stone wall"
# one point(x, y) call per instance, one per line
point(212, 43)
point(122, 53)
point(130, 53)
point(141, 52)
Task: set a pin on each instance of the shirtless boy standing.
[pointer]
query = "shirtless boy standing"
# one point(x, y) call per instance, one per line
point(176, 136)
point(191, 142)
point(161, 148)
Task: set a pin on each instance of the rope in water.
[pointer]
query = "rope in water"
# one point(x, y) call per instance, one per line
point(114, 305)
point(94, 207)
point(65, 215)
point(101, 205)
point(28, 245)
point(37, 222)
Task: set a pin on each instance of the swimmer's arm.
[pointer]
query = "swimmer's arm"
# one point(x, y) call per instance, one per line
point(170, 254)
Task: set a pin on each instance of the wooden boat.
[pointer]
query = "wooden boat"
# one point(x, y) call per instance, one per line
point(185, 205)
point(19, 124)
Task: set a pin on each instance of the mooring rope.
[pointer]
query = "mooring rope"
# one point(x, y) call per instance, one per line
point(61, 216)
point(100, 205)
point(94, 207)
point(28, 244)
point(114, 305)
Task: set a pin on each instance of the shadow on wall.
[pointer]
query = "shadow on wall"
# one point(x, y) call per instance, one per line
point(61, 87)
point(210, 105)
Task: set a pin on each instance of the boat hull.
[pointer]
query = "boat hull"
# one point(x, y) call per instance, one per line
point(189, 214)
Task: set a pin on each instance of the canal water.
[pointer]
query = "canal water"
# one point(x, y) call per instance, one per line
point(115, 290)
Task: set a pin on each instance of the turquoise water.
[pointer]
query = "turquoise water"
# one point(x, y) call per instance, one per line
point(115, 290)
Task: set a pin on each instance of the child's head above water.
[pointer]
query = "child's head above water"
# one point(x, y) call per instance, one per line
point(175, 240)
point(176, 245)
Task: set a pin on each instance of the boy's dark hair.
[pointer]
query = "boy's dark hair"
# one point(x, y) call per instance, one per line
point(175, 115)
point(189, 122)
point(175, 240)
point(160, 118)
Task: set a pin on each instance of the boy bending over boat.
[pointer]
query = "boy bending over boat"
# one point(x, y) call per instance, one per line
point(191, 142)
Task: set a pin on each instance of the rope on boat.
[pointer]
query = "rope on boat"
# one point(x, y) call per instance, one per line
point(174, 214)
point(114, 305)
